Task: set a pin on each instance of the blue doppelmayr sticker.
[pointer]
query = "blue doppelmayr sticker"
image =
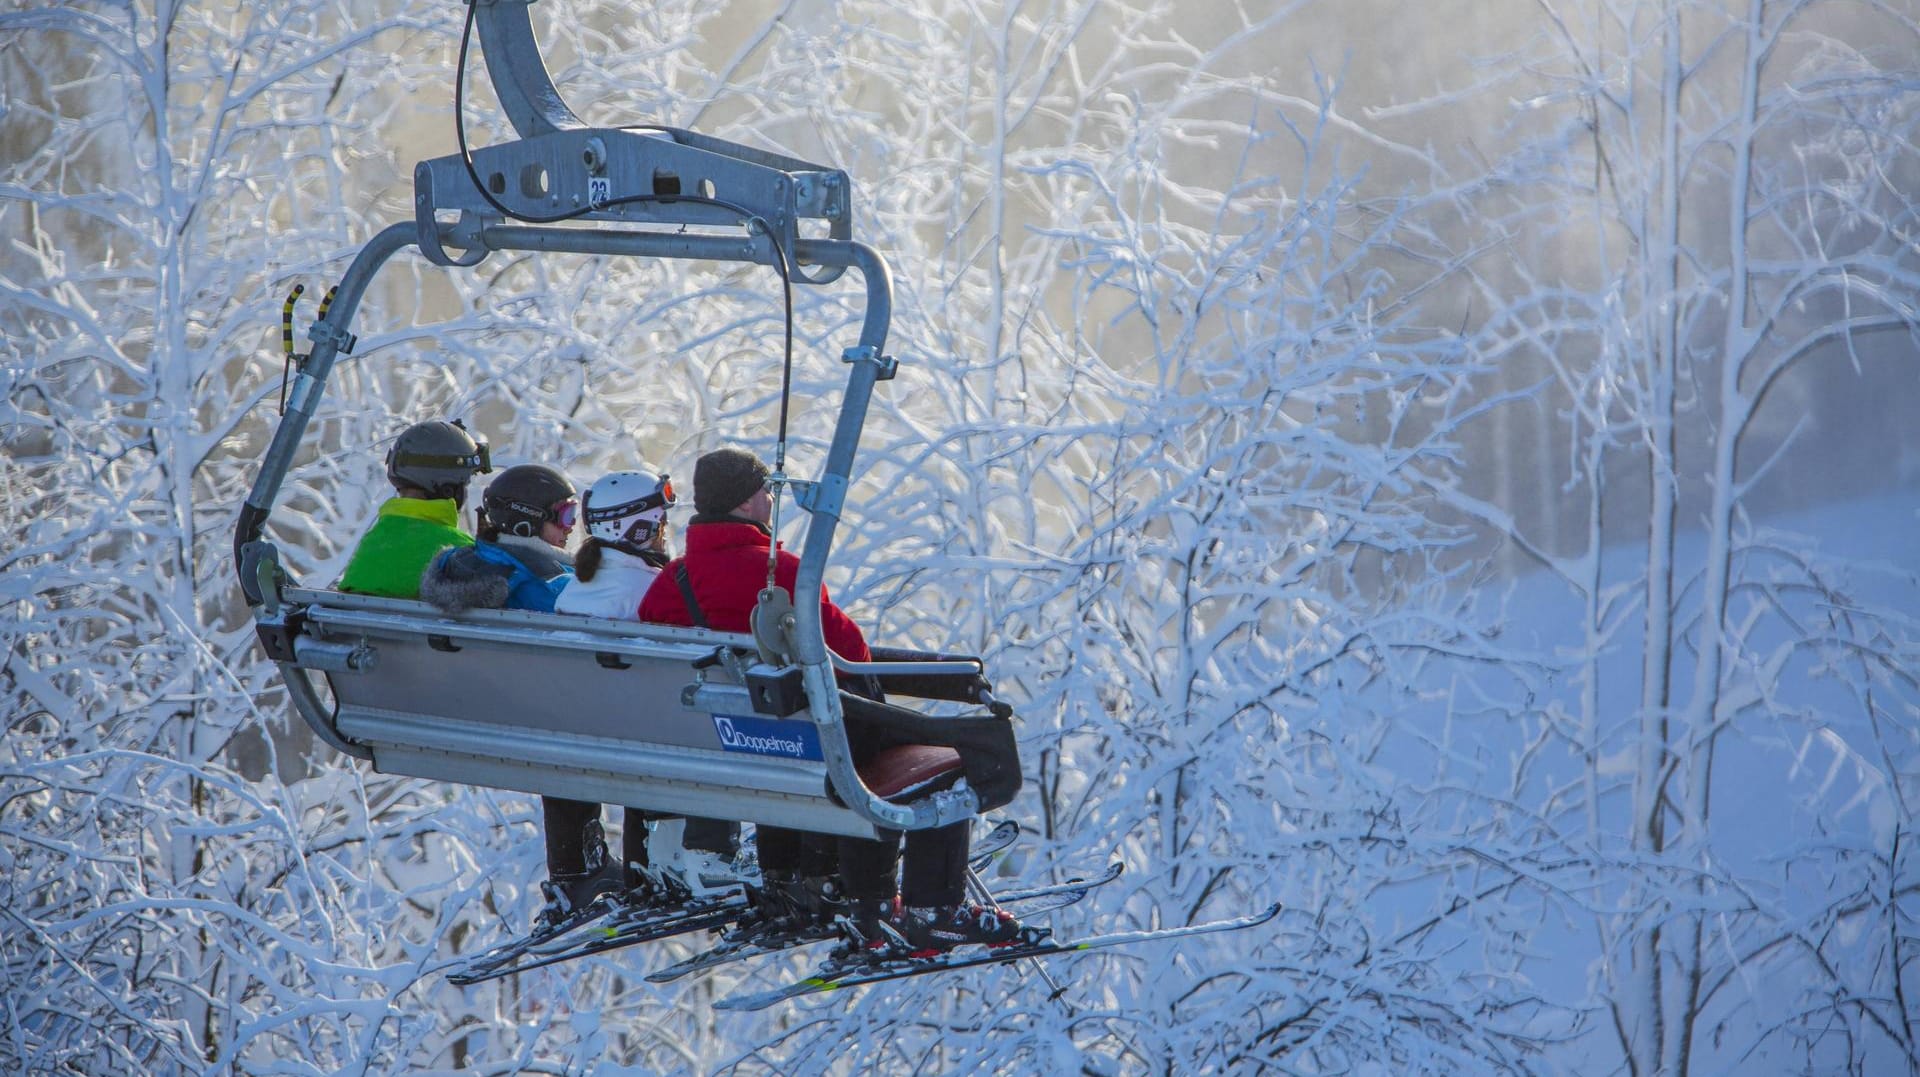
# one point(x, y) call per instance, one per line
point(766, 736)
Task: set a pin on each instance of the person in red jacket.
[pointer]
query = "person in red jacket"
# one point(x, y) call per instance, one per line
point(723, 570)
point(726, 557)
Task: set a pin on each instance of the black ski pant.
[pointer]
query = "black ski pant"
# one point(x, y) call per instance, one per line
point(573, 830)
point(934, 872)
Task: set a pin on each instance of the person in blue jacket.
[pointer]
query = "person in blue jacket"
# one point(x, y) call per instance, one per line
point(519, 561)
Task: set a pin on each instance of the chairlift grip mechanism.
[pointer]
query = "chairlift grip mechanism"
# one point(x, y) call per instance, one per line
point(324, 332)
point(559, 169)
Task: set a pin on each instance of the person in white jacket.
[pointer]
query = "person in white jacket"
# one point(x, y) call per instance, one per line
point(627, 543)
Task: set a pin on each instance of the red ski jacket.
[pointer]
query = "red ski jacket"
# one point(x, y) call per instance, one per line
point(727, 566)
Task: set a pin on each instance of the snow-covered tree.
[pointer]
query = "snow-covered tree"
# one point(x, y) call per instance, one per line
point(169, 170)
point(1708, 261)
point(1278, 454)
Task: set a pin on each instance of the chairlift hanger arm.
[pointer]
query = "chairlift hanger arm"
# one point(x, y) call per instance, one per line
point(520, 80)
point(791, 188)
point(534, 105)
point(561, 170)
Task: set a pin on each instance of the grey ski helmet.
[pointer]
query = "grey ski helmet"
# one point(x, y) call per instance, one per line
point(438, 457)
point(525, 496)
point(627, 508)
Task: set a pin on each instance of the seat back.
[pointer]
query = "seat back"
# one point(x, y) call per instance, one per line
point(566, 706)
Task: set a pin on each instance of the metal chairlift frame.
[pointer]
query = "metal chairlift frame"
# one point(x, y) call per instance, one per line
point(373, 651)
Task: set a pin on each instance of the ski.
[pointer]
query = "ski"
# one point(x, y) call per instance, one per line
point(859, 973)
point(751, 939)
point(514, 948)
point(993, 843)
point(583, 933)
point(1075, 886)
point(745, 942)
point(592, 937)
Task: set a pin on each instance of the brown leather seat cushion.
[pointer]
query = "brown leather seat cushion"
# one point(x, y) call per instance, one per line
point(907, 768)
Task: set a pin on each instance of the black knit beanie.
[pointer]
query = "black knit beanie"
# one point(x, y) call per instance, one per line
point(724, 478)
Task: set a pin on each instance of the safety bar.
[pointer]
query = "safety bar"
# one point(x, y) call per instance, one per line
point(956, 668)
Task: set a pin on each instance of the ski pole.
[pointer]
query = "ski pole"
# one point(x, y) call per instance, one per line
point(979, 888)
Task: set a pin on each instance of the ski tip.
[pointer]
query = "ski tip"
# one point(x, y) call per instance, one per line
point(470, 977)
point(1004, 833)
point(763, 999)
point(1083, 887)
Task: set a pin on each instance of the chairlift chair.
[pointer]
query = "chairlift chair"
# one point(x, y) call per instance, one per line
point(685, 721)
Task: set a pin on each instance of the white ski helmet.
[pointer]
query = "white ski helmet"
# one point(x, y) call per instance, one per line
point(627, 508)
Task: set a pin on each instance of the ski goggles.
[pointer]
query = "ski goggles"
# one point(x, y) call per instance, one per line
point(566, 513)
point(660, 498)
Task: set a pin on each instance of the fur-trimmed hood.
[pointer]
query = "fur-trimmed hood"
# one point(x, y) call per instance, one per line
point(512, 573)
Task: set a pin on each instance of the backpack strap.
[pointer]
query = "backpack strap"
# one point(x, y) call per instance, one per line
point(694, 612)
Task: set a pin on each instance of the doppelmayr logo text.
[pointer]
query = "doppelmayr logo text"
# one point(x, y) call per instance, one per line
point(748, 742)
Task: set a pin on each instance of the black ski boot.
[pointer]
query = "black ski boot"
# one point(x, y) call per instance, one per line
point(567, 896)
point(798, 903)
point(873, 927)
point(931, 931)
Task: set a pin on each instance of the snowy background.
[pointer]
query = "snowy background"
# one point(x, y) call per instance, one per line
point(1448, 468)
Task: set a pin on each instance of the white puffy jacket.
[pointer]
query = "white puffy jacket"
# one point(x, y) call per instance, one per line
point(614, 591)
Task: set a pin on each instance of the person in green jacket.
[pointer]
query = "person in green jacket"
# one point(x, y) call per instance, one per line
point(429, 465)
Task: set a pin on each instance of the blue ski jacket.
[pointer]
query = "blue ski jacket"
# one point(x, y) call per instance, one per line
point(515, 574)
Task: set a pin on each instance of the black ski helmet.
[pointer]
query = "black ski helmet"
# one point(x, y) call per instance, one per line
point(438, 457)
point(523, 497)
